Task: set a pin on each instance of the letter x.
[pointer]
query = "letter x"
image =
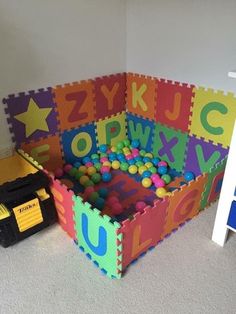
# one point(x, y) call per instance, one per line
point(167, 146)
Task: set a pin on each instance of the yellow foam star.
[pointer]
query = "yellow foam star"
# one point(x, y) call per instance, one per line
point(34, 118)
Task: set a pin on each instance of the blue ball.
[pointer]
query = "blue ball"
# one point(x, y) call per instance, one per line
point(103, 192)
point(86, 159)
point(106, 177)
point(103, 148)
point(120, 156)
point(77, 164)
point(138, 158)
point(189, 176)
point(135, 143)
point(131, 162)
point(146, 174)
point(162, 170)
point(95, 161)
point(146, 159)
point(99, 203)
point(112, 156)
point(155, 161)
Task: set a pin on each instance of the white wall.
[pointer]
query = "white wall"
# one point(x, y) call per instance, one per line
point(191, 41)
point(49, 42)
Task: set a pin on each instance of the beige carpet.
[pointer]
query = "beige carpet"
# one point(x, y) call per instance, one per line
point(187, 273)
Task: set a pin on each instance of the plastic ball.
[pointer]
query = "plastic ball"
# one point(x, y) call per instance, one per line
point(91, 170)
point(103, 155)
point(142, 169)
point(103, 159)
point(112, 200)
point(106, 177)
point(93, 196)
point(113, 149)
point(189, 176)
point(162, 170)
point(126, 142)
point(98, 166)
point(129, 157)
point(155, 161)
point(83, 169)
point(124, 166)
point(133, 169)
point(83, 179)
point(120, 156)
point(142, 152)
point(107, 163)
point(103, 148)
point(131, 162)
point(146, 159)
point(88, 190)
point(88, 183)
point(146, 174)
point(94, 156)
point(103, 192)
point(99, 203)
point(58, 172)
point(135, 143)
point(112, 156)
point(139, 163)
point(117, 209)
point(96, 178)
point(120, 145)
point(146, 182)
point(162, 163)
point(96, 161)
point(105, 169)
point(79, 174)
point(159, 183)
point(67, 168)
point(149, 155)
point(89, 164)
point(85, 160)
point(149, 164)
point(73, 172)
point(155, 177)
point(161, 192)
point(139, 206)
point(115, 164)
point(153, 169)
point(77, 164)
point(135, 151)
point(166, 178)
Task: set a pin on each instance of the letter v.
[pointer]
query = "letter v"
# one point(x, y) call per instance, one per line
point(204, 165)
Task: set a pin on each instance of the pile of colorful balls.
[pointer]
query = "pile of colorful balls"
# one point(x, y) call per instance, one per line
point(125, 156)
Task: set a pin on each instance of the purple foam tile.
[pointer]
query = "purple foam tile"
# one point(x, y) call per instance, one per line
point(201, 156)
point(19, 104)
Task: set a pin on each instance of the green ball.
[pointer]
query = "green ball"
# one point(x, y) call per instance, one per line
point(119, 151)
point(88, 183)
point(79, 174)
point(93, 196)
point(139, 163)
point(166, 178)
point(120, 145)
point(124, 166)
point(126, 142)
point(103, 155)
point(153, 170)
point(142, 152)
point(94, 156)
point(73, 171)
point(98, 166)
point(96, 178)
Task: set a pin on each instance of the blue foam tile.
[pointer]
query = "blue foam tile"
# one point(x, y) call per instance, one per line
point(232, 215)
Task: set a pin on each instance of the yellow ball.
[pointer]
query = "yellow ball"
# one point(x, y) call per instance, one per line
point(83, 179)
point(106, 163)
point(149, 164)
point(148, 155)
point(115, 164)
point(91, 170)
point(113, 149)
point(146, 182)
point(133, 169)
point(126, 150)
point(142, 169)
point(83, 169)
point(161, 192)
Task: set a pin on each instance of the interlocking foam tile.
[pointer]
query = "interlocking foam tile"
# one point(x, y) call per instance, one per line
point(213, 115)
point(97, 235)
point(47, 152)
point(143, 231)
point(174, 102)
point(184, 204)
point(170, 145)
point(141, 129)
point(141, 95)
point(79, 142)
point(112, 130)
point(64, 204)
point(110, 94)
point(31, 115)
point(75, 104)
point(202, 156)
point(214, 183)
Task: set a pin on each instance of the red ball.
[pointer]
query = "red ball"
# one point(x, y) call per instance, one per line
point(112, 200)
point(67, 168)
point(88, 191)
point(139, 206)
point(117, 209)
point(58, 173)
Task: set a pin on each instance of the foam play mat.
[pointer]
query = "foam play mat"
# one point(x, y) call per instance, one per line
point(131, 158)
